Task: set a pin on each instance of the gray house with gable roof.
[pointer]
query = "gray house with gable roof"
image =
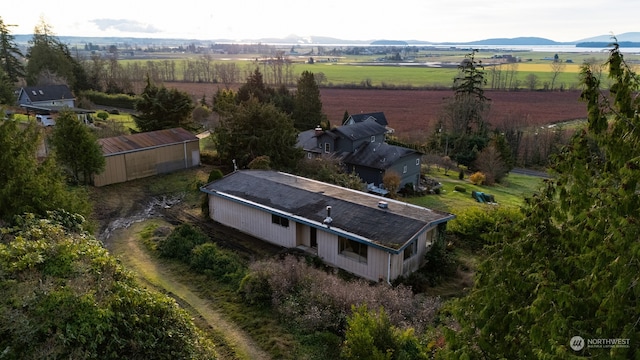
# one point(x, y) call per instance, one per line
point(370, 236)
point(361, 147)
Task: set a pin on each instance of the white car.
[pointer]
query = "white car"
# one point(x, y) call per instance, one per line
point(46, 120)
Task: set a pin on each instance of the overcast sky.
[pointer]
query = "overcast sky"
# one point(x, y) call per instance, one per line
point(427, 20)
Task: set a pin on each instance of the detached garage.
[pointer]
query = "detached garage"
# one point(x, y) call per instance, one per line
point(130, 157)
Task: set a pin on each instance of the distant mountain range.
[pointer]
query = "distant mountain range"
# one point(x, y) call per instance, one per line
point(628, 38)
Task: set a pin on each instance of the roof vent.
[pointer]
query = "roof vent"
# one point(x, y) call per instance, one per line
point(328, 220)
point(383, 205)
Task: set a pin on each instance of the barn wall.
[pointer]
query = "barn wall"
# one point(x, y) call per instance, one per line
point(148, 162)
point(114, 171)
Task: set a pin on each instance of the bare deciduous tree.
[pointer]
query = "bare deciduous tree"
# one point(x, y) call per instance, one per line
point(557, 66)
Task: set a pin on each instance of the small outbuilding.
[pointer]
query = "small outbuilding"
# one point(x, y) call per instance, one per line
point(130, 157)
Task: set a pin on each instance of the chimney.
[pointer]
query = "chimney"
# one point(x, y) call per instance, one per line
point(327, 221)
point(319, 130)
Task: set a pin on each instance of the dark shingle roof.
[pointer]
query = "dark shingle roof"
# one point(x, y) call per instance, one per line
point(48, 92)
point(135, 142)
point(377, 116)
point(377, 155)
point(307, 141)
point(361, 130)
point(355, 214)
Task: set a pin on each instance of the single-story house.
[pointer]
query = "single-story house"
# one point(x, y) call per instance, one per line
point(49, 100)
point(373, 237)
point(130, 157)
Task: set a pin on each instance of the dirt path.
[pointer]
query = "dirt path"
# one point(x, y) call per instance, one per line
point(124, 244)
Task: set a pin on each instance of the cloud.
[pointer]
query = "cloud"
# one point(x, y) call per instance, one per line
point(124, 25)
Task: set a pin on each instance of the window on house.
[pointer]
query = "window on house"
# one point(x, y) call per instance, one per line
point(308, 155)
point(373, 138)
point(411, 250)
point(417, 161)
point(352, 249)
point(404, 170)
point(282, 221)
point(327, 147)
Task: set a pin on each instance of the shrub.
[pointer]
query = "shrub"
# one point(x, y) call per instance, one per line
point(181, 241)
point(461, 175)
point(460, 188)
point(103, 115)
point(222, 264)
point(208, 157)
point(214, 175)
point(260, 163)
point(475, 226)
point(477, 178)
point(314, 300)
point(254, 289)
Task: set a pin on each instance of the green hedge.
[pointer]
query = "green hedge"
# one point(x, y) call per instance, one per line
point(122, 101)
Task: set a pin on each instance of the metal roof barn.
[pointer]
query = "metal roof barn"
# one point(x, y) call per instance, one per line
point(130, 157)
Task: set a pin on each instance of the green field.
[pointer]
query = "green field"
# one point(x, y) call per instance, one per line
point(376, 71)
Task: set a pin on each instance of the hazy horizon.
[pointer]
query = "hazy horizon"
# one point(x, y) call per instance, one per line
point(460, 21)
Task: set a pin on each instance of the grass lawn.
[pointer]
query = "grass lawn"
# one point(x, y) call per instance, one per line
point(511, 192)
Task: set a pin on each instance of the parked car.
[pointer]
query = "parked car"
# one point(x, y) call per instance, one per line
point(45, 120)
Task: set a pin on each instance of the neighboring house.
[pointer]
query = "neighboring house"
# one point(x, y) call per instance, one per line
point(377, 116)
point(370, 236)
point(46, 96)
point(130, 157)
point(361, 147)
point(48, 100)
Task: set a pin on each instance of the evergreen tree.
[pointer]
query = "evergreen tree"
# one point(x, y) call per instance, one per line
point(253, 88)
point(7, 96)
point(76, 147)
point(464, 115)
point(307, 113)
point(161, 108)
point(257, 129)
point(571, 266)
point(51, 62)
point(10, 54)
point(27, 184)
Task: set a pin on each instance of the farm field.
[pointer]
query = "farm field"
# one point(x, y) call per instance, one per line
point(414, 113)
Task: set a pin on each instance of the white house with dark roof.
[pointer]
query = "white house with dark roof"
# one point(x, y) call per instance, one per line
point(370, 236)
point(50, 100)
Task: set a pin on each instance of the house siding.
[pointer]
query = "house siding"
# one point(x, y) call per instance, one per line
point(251, 221)
point(258, 223)
point(413, 171)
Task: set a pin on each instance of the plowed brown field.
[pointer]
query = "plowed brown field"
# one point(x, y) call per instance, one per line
point(415, 112)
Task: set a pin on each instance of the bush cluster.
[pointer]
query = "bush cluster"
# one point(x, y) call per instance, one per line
point(440, 265)
point(181, 241)
point(476, 227)
point(477, 178)
point(319, 301)
point(225, 266)
point(65, 297)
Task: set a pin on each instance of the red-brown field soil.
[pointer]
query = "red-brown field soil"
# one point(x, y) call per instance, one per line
point(413, 113)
